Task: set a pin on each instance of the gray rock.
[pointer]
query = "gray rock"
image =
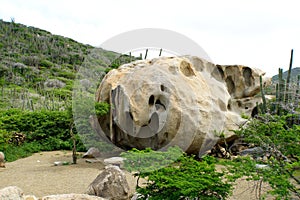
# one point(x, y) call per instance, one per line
point(262, 166)
point(93, 152)
point(72, 197)
point(117, 161)
point(111, 184)
point(54, 83)
point(255, 152)
point(11, 193)
point(136, 196)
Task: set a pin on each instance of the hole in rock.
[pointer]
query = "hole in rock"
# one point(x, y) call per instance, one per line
point(254, 112)
point(186, 69)
point(239, 104)
point(162, 88)
point(166, 134)
point(230, 85)
point(159, 105)
point(247, 74)
point(218, 73)
point(229, 107)
point(151, 100)
point(130, 114)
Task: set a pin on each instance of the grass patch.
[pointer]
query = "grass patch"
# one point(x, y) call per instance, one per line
point(13, 153)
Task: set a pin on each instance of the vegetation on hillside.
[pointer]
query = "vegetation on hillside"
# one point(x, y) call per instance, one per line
point(38, 72)
point(37, 75)
point(37, 69)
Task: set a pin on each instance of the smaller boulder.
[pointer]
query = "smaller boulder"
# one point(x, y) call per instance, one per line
point(117, 161)
point(30, 197)
point(2, 159)
point(111, 184)
point(254, 152)
point(71, 197)
point(54, 83)
point(93, 152)
point(11, 192)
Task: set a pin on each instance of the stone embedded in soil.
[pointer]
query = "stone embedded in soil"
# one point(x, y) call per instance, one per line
point(111, 183)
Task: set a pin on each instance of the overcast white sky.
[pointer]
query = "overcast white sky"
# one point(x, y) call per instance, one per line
point(256, 33)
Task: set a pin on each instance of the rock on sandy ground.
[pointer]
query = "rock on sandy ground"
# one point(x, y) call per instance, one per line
point(37, 175)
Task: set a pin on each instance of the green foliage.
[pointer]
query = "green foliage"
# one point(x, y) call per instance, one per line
point(45, 130)
point(174, 175)
point(29, 56)
point(84, 110)
point(273, 131)
point(280, 140)
point(46, 64)
point(274, 173)
point(13, 152)
point(4, 139)
point(101, 108)
point(144, 161)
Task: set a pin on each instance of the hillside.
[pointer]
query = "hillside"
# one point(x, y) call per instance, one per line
point(294, 74)
point(37, 68)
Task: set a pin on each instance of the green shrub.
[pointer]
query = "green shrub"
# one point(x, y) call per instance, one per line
point(51, 129)
point(4, 138)
point(280, 140)
point(46, 64)
point(174, 175)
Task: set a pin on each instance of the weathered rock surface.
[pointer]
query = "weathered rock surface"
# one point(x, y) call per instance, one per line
point(184, 101)
point(2, 159)
point(111, 184)
point(11, 192)
point(15, 193)
point(92, 152)
point(72, 197)
point(117, 161)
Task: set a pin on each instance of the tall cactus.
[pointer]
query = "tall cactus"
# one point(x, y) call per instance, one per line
point(264, 102)
point(296, 100)
point(286, 97)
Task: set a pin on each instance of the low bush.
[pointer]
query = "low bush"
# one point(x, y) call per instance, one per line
point(45, 130)
point(174, 175)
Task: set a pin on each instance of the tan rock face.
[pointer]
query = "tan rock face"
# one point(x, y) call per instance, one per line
point(2, 159)
point(184, 101)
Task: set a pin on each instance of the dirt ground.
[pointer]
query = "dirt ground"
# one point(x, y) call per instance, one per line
point(37, 175)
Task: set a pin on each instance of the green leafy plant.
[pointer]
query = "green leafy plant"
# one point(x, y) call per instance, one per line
point(280, 141)
point(174, 175)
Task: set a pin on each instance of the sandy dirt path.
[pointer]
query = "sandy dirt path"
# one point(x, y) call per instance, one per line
point(37, 175)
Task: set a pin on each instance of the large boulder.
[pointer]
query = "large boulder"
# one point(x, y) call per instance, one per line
point(184, 101)
point(2, 159)
point(111, 184)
